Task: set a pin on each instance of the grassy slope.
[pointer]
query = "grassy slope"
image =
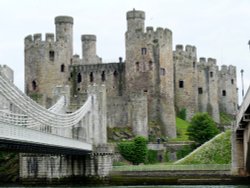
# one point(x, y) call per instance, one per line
point(181, 127)
point(215, 151)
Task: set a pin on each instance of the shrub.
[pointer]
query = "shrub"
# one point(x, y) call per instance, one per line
point(182, 114)
point(185, 151)
point(202, 128)
point(152, 157)
point(134, 151)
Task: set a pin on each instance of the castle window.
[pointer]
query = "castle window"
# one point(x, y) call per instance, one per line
point(193, 64)
point(91, 77)
point(224, 93)
point(79, 78)
point(34, 85)
point(211, 74)
point(232, 81)
point(162, 72)
point(115, 74)
point(137, 66)
point(143, 51)
point(200, 91)
point(62, 68)
point(51, 55)
point(181, 84)
point(150, 64)
point(103, 76)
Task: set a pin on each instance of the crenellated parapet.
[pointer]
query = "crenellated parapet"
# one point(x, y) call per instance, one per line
point(36, 40)
point(189, 52)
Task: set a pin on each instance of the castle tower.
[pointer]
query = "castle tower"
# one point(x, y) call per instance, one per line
point(47, 61)
point(228, 89)
point(185, 62)
point(149, 69)
point(64, 32)
point(208, 100)
point(89, 50)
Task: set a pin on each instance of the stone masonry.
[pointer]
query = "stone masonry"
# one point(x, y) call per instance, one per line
point(153, 83)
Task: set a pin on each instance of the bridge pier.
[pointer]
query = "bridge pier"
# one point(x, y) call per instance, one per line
point(37, 168)
point(238, 168)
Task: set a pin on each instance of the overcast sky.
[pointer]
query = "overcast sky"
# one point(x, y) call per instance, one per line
point(218, 28)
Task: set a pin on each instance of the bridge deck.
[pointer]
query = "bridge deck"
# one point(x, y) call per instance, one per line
point(14, 137)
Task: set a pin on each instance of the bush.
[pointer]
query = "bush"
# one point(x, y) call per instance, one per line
point(152, 157)
point(182, 114)
point(134, 151)
point(202, 128)
point(185, 151)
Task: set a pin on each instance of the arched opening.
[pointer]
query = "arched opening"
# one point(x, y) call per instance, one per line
point(62, 68)
point(115, 74)
point(34, 85)
point(91, 77)
point(103, 76)
point(224, 93)
point(51, 55)
point(137, 66)
point(79, 78)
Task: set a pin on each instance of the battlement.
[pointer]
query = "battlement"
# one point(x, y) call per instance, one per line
point(228, 69)
point(208, 62)
point(88, 38)
point(188, 48)
point(49, 37)
point(135, 14)
point(76, 60)
point(64, 19)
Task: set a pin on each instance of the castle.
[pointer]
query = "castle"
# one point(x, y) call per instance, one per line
point(152, 84)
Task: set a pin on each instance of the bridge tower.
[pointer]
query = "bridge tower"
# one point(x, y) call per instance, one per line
point(149, 69)
point(47, 61)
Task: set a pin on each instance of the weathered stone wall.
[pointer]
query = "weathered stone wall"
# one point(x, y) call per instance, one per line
point(185, 79)
point(46, 62)
point(149, 69)
point(227, 91)
point(208, 100)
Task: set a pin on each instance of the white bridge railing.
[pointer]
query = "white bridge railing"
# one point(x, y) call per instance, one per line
point(46, 120)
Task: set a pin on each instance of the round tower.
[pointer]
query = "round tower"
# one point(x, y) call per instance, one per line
point(88, 49)
point(135, 20)
point(64, 31)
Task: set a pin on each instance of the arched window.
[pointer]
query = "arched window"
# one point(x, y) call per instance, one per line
point(51, 55)
point(79, 78)
point(137, 66)
point(115, 74)
point(34, 85)
point(62, 68)
point(103, 76)
point(224, 93)
point(181, 84)
point(91, 77)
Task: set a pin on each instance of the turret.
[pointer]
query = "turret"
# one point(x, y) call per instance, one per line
point(135, 21)
point(88, 49)
point(64, 30)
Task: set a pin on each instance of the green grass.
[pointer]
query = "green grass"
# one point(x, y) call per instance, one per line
point(181, 128)
point(162, 167)
point(215, 151)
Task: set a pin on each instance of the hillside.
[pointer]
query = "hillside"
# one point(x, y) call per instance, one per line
point(215, 151)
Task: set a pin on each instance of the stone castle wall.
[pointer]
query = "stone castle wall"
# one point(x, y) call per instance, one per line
point(168, 80)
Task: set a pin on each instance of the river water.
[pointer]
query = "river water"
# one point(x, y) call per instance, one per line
point(167, 186)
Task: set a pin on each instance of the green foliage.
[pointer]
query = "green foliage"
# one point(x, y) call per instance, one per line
point(152, 157)
point(166, 156)
point(182, 114)
point(185, 151)
point(181, 128)
point(225, 119)
point(216, 151)
point(202, 128)
point(9, 167)
point(134, 151)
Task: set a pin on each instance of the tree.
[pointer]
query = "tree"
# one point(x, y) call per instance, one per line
point(135, 151)
point(202, 128)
